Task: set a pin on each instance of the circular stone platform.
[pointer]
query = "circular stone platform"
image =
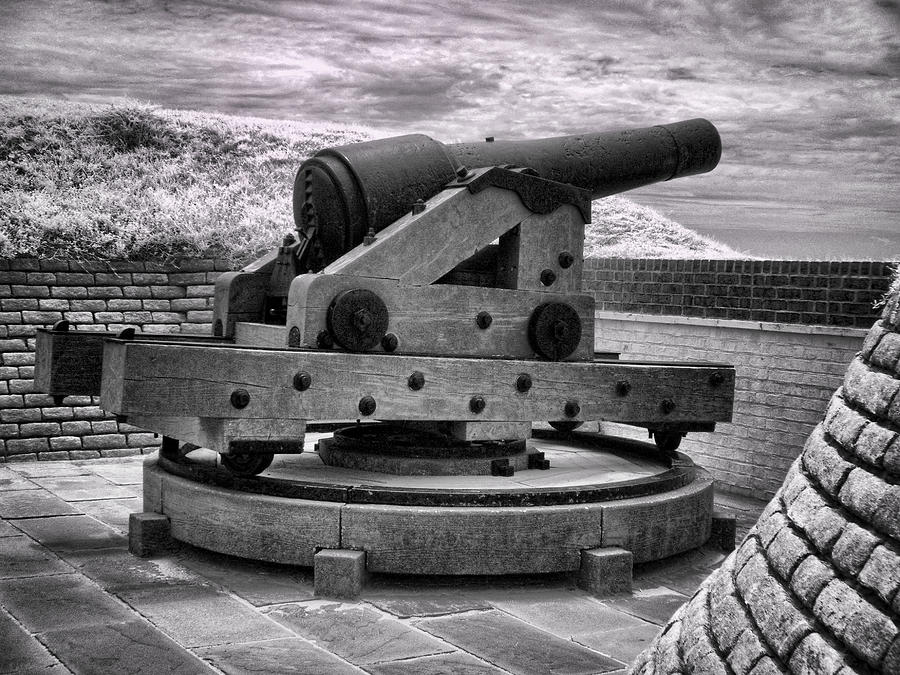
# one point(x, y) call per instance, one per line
point(598, 492)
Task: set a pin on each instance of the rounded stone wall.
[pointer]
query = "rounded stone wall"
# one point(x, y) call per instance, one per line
point(815, 585)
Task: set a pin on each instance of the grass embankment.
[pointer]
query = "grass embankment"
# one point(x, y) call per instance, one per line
point(132, 181)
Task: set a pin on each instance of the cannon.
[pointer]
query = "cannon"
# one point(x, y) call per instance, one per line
point(428, 310)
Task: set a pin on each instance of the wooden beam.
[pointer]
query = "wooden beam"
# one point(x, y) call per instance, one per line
point(228, 435)
point(199, 381)
point(419, 249)
point(439, 319)
point(241, 296)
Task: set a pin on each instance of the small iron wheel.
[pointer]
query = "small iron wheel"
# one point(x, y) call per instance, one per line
point(247, 464)
point(565, 425)
point(667, 441)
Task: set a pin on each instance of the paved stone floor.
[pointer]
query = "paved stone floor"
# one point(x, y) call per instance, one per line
point(72, 599)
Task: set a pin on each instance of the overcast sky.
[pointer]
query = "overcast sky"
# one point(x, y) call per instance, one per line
point(804, 93)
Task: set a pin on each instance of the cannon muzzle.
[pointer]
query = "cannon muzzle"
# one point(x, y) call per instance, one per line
point(346, 191)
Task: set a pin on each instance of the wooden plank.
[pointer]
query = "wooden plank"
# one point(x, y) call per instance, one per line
point(260, 334)
point(439, 319)
point(536, 245)
point(489, 431)
point(228, 435)
point(419, 249)
point(160, 379)
point(241, 296)
point(69, 363)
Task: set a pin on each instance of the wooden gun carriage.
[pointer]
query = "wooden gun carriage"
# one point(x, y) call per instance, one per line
point(434, 288)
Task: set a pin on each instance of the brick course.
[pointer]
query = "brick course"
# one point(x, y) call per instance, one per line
point(93, 296)
point(808, 292)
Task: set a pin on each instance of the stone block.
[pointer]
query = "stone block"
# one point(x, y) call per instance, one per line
point(873, 443)
point(605, 571)
point(339, 573)
point(864, 629)
point(853, 548)
point(723, 532)
point(149, 534)
point(814, 655)
point(785, 552)
point(881, 573)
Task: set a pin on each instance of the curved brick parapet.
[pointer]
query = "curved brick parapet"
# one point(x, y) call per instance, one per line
point(815, 586)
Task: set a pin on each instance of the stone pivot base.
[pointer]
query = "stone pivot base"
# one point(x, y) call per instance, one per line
point(339, 573)
point(149, 534)
point(605, 571)
point(598, 493)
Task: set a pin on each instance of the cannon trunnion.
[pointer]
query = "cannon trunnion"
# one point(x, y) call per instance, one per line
point(433, 291)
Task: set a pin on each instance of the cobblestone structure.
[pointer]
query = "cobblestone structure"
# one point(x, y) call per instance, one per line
point(815, 585)
point(157, 298)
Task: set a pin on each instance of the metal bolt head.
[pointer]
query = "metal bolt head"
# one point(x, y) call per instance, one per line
point(324, 340)
point(416, 381)
point(302, 380)
point(548, 276)
point(717, 379)
point(367, 405)
point(484, 320)
point(462, 172)
point(667, 405)
point(218, 329)
point(572, 409)
point(566, 260)
point(623, 387)
point(560, 331)
point(523, 382)
point(488, 139)
point(476, 404)
point(294, 337)
point(389, 342)
point(240, 398)
point(362, 319)
point(418, 206)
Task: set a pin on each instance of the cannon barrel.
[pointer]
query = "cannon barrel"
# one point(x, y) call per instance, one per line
point(346, 191)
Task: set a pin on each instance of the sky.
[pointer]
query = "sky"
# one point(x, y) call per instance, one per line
point(805, 94)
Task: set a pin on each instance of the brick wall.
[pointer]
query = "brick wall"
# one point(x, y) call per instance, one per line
point(805, 292)
point(95, 296)
point(785, 376)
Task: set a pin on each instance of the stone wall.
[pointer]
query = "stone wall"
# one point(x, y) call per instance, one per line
point(809, 292)
point(95, 296)
point(785, 375)
point(815, 585)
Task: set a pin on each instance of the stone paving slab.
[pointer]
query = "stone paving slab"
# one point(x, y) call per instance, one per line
point(517, 646)
point(117, 570)
point(20, 647)
point(60, 601)
point(24, 557)
point(78, 488)
point(200, 616)
point(71, 533)
point(112, 649)
point(67, 579)
point(112, 512)
point(442, 664)
point(355, 632)
point(33, 504)
point(287, 655)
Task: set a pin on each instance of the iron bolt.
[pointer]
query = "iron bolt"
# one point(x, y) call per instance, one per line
point(523, 382)
point(370, 237)
point(416, 381)
point(623, 387)
point(367, 405)
point(462, 172)
point(560, 331)
point(476, 404)
point(288, 239)
point(488, 139)
point(302, 381)
point(389, 342)
point(572, 409)
point(126, 334)
point(324, 340)
point(566, 259)
point(548, 276)
point(716, 379)
point(240, 398)
point(667, 405)
point(484, 320)
point(418, 206)
point(294, 337)
point(362, 319)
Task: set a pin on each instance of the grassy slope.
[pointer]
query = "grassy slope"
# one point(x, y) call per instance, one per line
point(133, 181)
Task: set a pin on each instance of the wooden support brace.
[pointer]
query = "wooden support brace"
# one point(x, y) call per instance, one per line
point(251, 383)
point(229, 436)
